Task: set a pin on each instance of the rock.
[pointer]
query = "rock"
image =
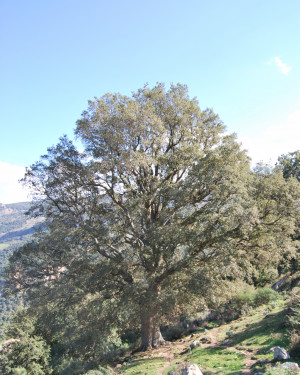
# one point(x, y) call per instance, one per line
point(280, 354)
point(192, 370)
point(229, 333)
point(227, 342)
point(277, 285)
point(291, 365)
point(11, 341)
point(194, 344)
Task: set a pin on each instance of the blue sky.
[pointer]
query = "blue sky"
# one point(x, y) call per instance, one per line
point(240, 57)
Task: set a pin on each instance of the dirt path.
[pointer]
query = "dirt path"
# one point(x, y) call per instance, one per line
point(248, 361)
point(171, 350)
point(168, 356)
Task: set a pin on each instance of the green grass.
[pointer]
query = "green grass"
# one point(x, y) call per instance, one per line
point(253, 336)
point(217, 360)
point(144, 366)
point(262, 331)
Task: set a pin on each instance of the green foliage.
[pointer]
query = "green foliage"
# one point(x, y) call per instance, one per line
point(294, 323)
point(280, 371)
point(244, 300)
point(130, 337)
point(294, 317)
point(23, 349)
point(70, 367)
point(15, 229)
point(31, 354)
point(159, 211)
point(100, 371)
point(251, 298)
point(295, 344)
point(19, 371)
point(290, 164)
point(264, 296)
point(174, 332)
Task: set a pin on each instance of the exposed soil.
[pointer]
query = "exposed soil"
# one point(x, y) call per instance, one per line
point(173, 350)
point(248, 362)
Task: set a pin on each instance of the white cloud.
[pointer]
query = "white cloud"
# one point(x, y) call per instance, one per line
point(282, 66)
point(274, 141)
point(11, 191)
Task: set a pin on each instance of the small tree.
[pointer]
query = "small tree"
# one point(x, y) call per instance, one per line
point(161, 205)
point(24, 352)
point(290, 164)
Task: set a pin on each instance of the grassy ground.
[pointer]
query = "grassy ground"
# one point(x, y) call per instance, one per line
point(251, 338)
point(147, 366)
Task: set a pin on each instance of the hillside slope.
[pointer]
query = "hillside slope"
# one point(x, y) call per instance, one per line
point(239, 347)
point(15, 229)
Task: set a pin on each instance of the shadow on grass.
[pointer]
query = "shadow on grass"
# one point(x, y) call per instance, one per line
point(267, 332)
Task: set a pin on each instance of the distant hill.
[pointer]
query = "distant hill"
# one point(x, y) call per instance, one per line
point(16, 228)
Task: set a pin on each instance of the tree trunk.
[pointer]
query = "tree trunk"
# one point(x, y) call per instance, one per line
point(151, 335)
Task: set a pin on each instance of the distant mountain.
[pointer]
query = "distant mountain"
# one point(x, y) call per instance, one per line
point(12, 217)
point(16, 228)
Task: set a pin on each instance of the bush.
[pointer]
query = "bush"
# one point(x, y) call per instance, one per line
point(174, 333)
point(250, 298)
point(19, 371)
point(71, 367)
point(280, 371)
point(24, 351)
point(295, 345)
point(27, 354)
point(130, 337)
point(100, 371)
point(265, 296)
point(294, 318)
point(244, 300)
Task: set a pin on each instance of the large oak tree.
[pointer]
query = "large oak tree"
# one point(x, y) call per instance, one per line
point(160, 205)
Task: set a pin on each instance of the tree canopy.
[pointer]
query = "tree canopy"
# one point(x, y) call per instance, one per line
point(290, 164)
point(161, 206)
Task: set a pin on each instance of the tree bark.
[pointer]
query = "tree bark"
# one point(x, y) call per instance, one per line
point(151, 335)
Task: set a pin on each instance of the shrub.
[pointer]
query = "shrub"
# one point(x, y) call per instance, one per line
point(265, 296)
point(174, 333)
point(130, 337)
point(295, 345)
point(27, 354)
point(294, 318)
point(250, 298)
point(19, 371)
point(244, 300)
point(100, 371)
point(280, 371)
point(70, 367)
